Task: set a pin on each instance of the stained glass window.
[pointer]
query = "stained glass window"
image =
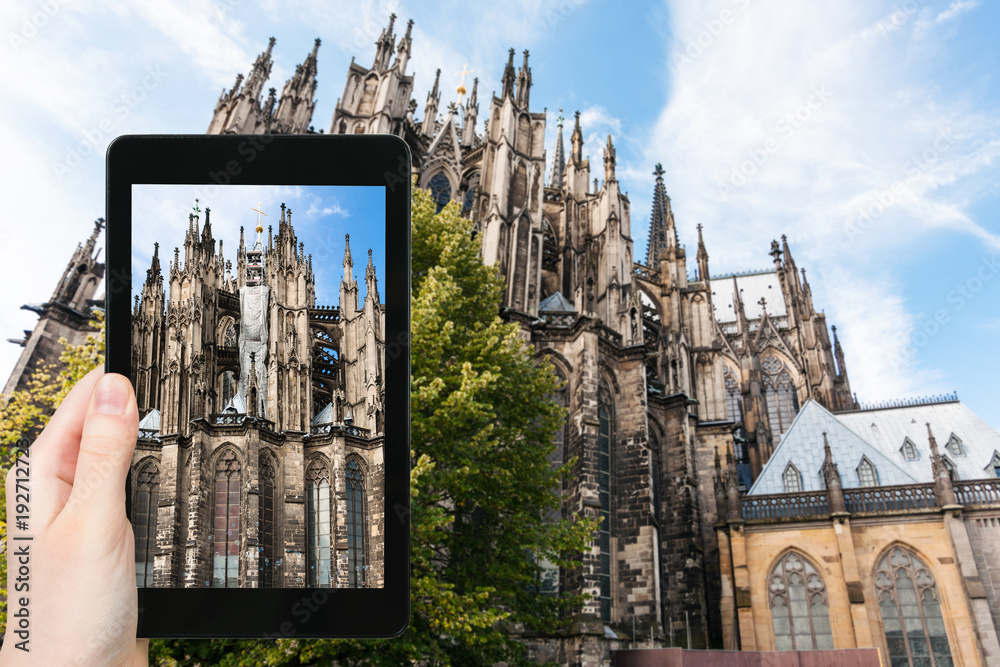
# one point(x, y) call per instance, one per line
point(867, 474)
point(226, 535)
point(440, 188)
point(792, 479)
point(266, 556)
point(604, 440)
point(356, 561)
point(318, 513)
point(147, 492)
point(779, 395)
point(800, 609)
point(908, 601)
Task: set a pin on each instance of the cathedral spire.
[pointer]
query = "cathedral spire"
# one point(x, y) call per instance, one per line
point(371, 282)
point(609, 162)
point(838, 353)
point(471, 115)
point(703, 273)
point(559, 156)
point(662, 232)
point(348, 262)
point(385, 45)
point(431, 107)
point(153, 275)
point(508, 76)
point(524, 83)
point(403, 50)
point(576, 143)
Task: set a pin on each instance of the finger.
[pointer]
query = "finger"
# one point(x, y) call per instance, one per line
point(53, 455)
point(106, 446)
point(141, 658)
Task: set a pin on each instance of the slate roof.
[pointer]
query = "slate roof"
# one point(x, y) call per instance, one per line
point(556, 303)
point(325, 415)
point(151, 422)
point(802, 445)
point(237, 405)
point(979, 441)
point(753, 287)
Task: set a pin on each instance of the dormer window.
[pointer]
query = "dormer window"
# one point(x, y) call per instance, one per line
point(867, 473)
point(995, 464)
point(955, 446)
point(909, 450)
point(792, 479)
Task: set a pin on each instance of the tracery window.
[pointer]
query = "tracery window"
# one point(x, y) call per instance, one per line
point(734, 411)
point(779, 395)
point(229, 337)
point(909, 450)
point(604, 439)
point(356, 561)
point(318, 524)
point(867, 473)
point(955, 446)
point(265, 562)
point(147, 494)
point(908, 601)
point(800, 608)
point(792, 479)
point(226, 524)
point(440, 188)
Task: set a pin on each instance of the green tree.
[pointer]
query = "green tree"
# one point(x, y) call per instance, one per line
point(24, 413)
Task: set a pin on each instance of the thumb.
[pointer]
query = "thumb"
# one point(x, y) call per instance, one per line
point(106, 445)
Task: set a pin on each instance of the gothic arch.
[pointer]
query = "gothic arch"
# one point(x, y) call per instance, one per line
point(608, 377)
point(223, 334)
point(563, 368)
point(794, 568)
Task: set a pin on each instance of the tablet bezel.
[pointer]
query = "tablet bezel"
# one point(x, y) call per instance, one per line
point(382, 160)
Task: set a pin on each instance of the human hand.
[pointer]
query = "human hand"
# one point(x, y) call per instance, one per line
point(71, 563)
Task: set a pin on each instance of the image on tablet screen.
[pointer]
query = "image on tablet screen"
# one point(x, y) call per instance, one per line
point(257, 359)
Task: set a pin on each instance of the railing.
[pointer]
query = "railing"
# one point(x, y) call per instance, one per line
point(978, 493)
point(890, 498)
point(238, 418)
point(228, 355)
point(323, 429)
point(785, 505)
point(324, 314)
point(907, 402)
point(149, 434)
point(563, 320)
point(609, 334)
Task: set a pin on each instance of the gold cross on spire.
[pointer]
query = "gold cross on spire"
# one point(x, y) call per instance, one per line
point(260, 227)
point(461, 86)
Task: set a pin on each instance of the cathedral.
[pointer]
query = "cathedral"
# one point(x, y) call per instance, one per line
point(682, 387)
point(259, 459)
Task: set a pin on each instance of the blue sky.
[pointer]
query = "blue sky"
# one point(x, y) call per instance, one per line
point(321, 216)
point(865, 130)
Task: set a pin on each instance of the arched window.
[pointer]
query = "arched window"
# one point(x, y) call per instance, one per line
point(226, 563)
point(604, 440)
point(228, 389)
point(955, 446)
point(266, 524)
point(909, 450)
point(470, 193)
point(779, 395)
point(734, 409)
point(550, 249)
point(911, 611)
point(318, 512)
point(800, 609)
point(792, 479)
point(356, 561)
point(867, 473)
point(995, 463)
point(440, 188)
point(147, 495)
point(229, 336)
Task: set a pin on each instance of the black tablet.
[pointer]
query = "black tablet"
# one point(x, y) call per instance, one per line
point(258, 298)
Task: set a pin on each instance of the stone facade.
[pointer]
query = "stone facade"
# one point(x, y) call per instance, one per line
point(252, 394)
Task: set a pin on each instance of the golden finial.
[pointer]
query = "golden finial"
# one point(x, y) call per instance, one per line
point(260, 227)
point(461, 86)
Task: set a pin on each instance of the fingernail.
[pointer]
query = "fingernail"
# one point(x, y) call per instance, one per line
point(111, 395)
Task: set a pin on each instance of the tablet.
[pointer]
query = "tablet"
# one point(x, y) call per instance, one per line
point(258, 299)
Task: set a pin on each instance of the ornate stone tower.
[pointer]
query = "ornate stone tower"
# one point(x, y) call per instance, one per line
point(67, 314)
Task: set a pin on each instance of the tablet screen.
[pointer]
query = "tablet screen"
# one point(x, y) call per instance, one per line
point(257, 337)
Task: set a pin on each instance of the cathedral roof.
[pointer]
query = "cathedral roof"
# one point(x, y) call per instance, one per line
point(237, 405)
point(887, 429)
point(802, 446)
point(753, 287)
point(556, 303)
point(151, 422)
point(325, 415)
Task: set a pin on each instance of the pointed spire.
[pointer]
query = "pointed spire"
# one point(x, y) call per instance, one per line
point(788, 253)
point(609, 162)
point(831, 479)
point(243, 247)
point(662, 232)
point(943, 487)
point(431, 107)
point(838, 353)
point(348, 262)
point(508, 76)
point(524, 83)
point(385, 45)
point(576, 142)
point(559, 156)
point(703, 273)
point(371, 282)
point(153, 275)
